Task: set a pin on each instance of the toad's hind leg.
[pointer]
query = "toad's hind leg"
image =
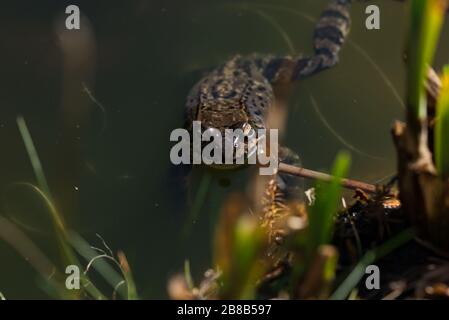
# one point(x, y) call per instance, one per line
point(330, 34)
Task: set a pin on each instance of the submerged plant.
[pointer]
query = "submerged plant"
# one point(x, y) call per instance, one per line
point(71, 246)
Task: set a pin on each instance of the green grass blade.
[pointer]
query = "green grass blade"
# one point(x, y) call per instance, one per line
point(427, 18)
point(351, 281)
point(44, 191)
point(442, 127)
point(188, 275)
point(321, 221)
point(67, 254)
point(238, 246)
point(98, 262)
point(34, 157)
point(322, 213)
point(131, 285)
point(247, 247)
point(198, 203)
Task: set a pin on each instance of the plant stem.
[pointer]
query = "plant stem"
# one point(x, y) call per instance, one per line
point(316, 175)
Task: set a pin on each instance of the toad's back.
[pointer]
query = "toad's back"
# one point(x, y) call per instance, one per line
point(239, 91)
point(232, 94)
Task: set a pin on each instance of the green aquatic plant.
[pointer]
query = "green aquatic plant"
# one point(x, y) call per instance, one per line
point(423, 182)
point(425, 26)
point(442, 127)
point(322, 213)
point(127, 273)
point(72, 245)
point(242, 248)
point(239, 243)
point(43, 190)
point(188, 275)
point(315, 262)
point(198, 202)
point(242, 244)
point(98, 259)
point(354, 277)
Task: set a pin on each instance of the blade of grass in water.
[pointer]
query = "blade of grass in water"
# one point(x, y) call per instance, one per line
point(43, 191)
point(51, 285)
point(131, 285)
point(322, 213)
point(2, 297)
point(188, 275)
point(369, 258)
point(97, 261)
point(442, 127)
point(321, 218)
point(241, 273)
point(238, 245)
point(425, 26)
point(247, 246)
point(200, 197)
point(34, 157)
point(18, 240)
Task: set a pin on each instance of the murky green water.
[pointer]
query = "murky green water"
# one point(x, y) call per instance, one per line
point(107, 163)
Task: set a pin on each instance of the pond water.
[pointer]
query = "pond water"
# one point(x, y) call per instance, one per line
point(100, 106)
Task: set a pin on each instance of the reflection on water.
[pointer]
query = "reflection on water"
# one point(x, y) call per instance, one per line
point(101, 105)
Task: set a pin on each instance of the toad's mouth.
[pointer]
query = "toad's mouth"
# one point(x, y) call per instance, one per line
point(230, 146)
